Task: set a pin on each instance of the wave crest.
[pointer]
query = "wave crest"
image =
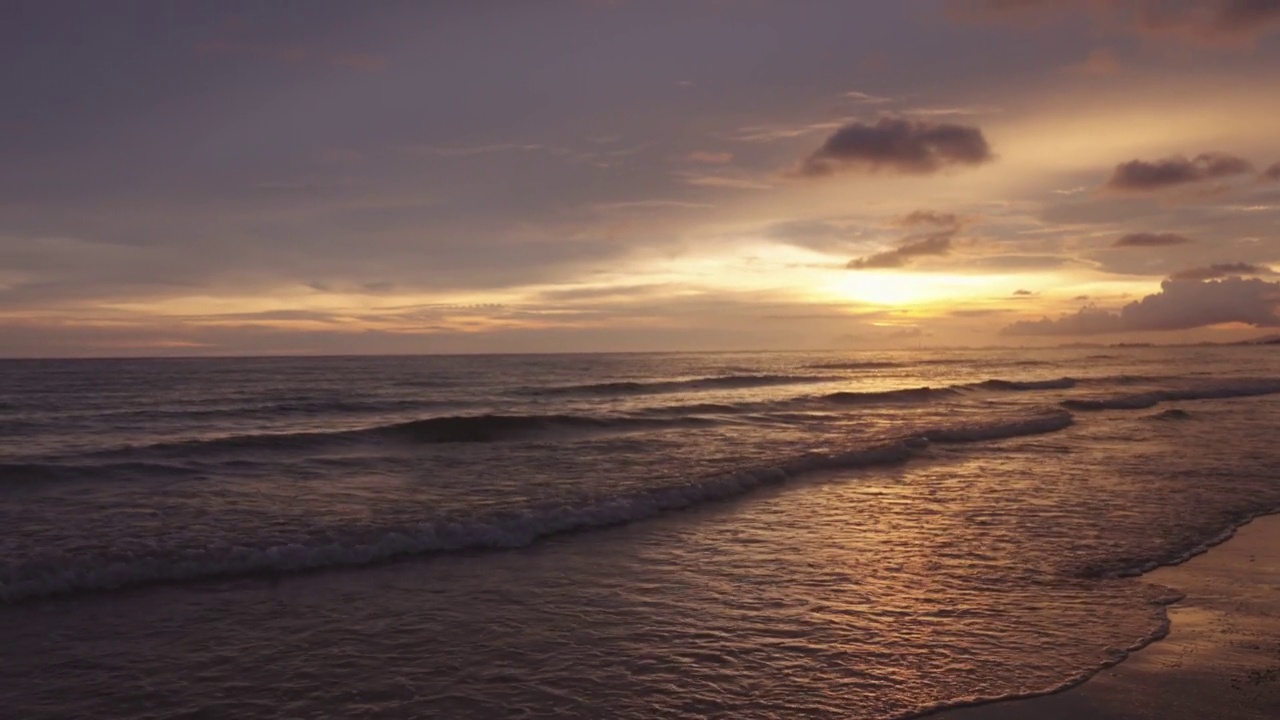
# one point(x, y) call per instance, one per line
point(60, 575)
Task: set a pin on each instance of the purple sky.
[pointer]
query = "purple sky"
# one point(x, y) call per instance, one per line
point(509, 176)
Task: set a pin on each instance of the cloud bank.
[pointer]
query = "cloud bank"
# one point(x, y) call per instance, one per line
point(1151, 240)
point(1223, 270)
point(1180, 305)
point(898, 145)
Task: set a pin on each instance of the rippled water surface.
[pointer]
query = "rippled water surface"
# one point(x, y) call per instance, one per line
point(631, 536)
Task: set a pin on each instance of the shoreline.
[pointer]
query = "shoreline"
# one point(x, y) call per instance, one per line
point(1218, 656)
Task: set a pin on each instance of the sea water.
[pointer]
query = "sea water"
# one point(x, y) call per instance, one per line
point(756, 535)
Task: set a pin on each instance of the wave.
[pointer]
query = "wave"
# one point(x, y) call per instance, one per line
point(32, 579)
point(1172, 414)
point(916, 394)
point(1018, 385)
point(718, 382)
point(443, 429)
point(496, 428)
point(1140, 401)
point(867, 365)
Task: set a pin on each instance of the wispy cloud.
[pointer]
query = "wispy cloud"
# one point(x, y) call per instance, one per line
point(773, 133)
point(866, 98)
point(722, 181)
point(1151, 240)
point(707, 157)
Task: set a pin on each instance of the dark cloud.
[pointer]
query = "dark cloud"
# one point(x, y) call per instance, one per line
point(943, 227)
point(1023, 293)
point(1151, 240)
point(1142, 175)
point(900, 145)
point(939, 244)
point(929, 217)
point(1271, 174)
point(1222, 270)
point(1180, 305)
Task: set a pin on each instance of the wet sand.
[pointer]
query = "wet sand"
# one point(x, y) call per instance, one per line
point(1221, 658)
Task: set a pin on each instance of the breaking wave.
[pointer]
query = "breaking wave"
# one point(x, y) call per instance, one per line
point(1017, 385)
point(909, 395)
point(343, 547)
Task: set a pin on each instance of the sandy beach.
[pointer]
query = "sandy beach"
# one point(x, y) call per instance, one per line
point(1221, 658)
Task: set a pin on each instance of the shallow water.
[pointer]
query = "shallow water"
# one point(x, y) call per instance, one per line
point(773, 535)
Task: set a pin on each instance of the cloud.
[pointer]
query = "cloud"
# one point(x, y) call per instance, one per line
point(722, 181)
point(1141, 175)
point(1151, 240)
point(929, 217)
point(862, 97)
point(1204, 22)
point(939, 244)
point(1271, 174)
point(1180, 305)
point(1023, 293)
point(1221, 271)
point(953, 110)
point(897, 144)
point(936, 241)
point(709, 158)
point(1099, 62)
point(775, 132)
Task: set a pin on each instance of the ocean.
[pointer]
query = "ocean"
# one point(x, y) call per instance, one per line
point(750, 535)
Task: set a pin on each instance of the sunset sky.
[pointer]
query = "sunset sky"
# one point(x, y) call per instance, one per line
point(588, 175)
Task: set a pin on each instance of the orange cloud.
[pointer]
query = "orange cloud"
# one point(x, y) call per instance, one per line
point(710, 158)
